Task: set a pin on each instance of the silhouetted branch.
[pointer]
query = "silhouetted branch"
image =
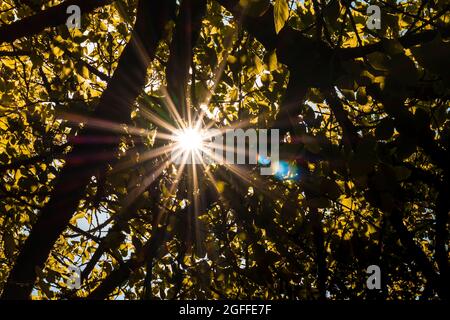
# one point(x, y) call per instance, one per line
point(51, 17)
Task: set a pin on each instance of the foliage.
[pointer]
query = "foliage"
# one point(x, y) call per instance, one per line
point(366, 120)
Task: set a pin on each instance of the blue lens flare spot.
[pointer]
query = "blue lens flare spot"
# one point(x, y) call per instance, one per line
point(264, 161)
point(287, 171)
point(282, 170)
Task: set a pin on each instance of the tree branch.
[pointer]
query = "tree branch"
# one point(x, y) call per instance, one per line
point(121, 274)
point(51, 17)
point(187, 30)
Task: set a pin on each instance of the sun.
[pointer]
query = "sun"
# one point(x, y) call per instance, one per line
point(189, 140)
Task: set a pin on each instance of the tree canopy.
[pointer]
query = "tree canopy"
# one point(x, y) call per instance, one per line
point(87, 181)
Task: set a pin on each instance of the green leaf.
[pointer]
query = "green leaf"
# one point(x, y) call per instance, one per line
point(281, 14)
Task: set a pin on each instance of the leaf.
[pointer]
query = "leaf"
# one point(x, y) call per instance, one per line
point(332, 12)
point(392, 46)
point(272, 60)
point(281, 14)
point(384, 129)
point(255, 8)
point(348, 94)
point(103, 26)
point(122, 28)
point(403, 70)
point(434, 56)
point(318, 202)
point(360, 167)
point(85, 72)
point(361, 96)
point(231, 59)
point(330, 188)
point(259, 65)
point(378, 61)
point(57, 51)
point(9, 244)
point(402, 173)
point(76, 217)
point(313, 147)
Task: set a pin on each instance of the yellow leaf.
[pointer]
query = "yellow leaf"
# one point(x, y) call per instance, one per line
point(231, 59)
point(272, 61)
point(281, 14)
point(259, 65)
point(76, 217)
point(57, 51)
point(85, 72)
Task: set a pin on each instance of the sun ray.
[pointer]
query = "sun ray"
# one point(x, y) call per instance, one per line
point(172, 108)
point(132, 196)
point(220, 69)
point(148, 155)
point(174, 185)
point(162, 124)
point(250, 180)
point(196, 196)
point(104, 125)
